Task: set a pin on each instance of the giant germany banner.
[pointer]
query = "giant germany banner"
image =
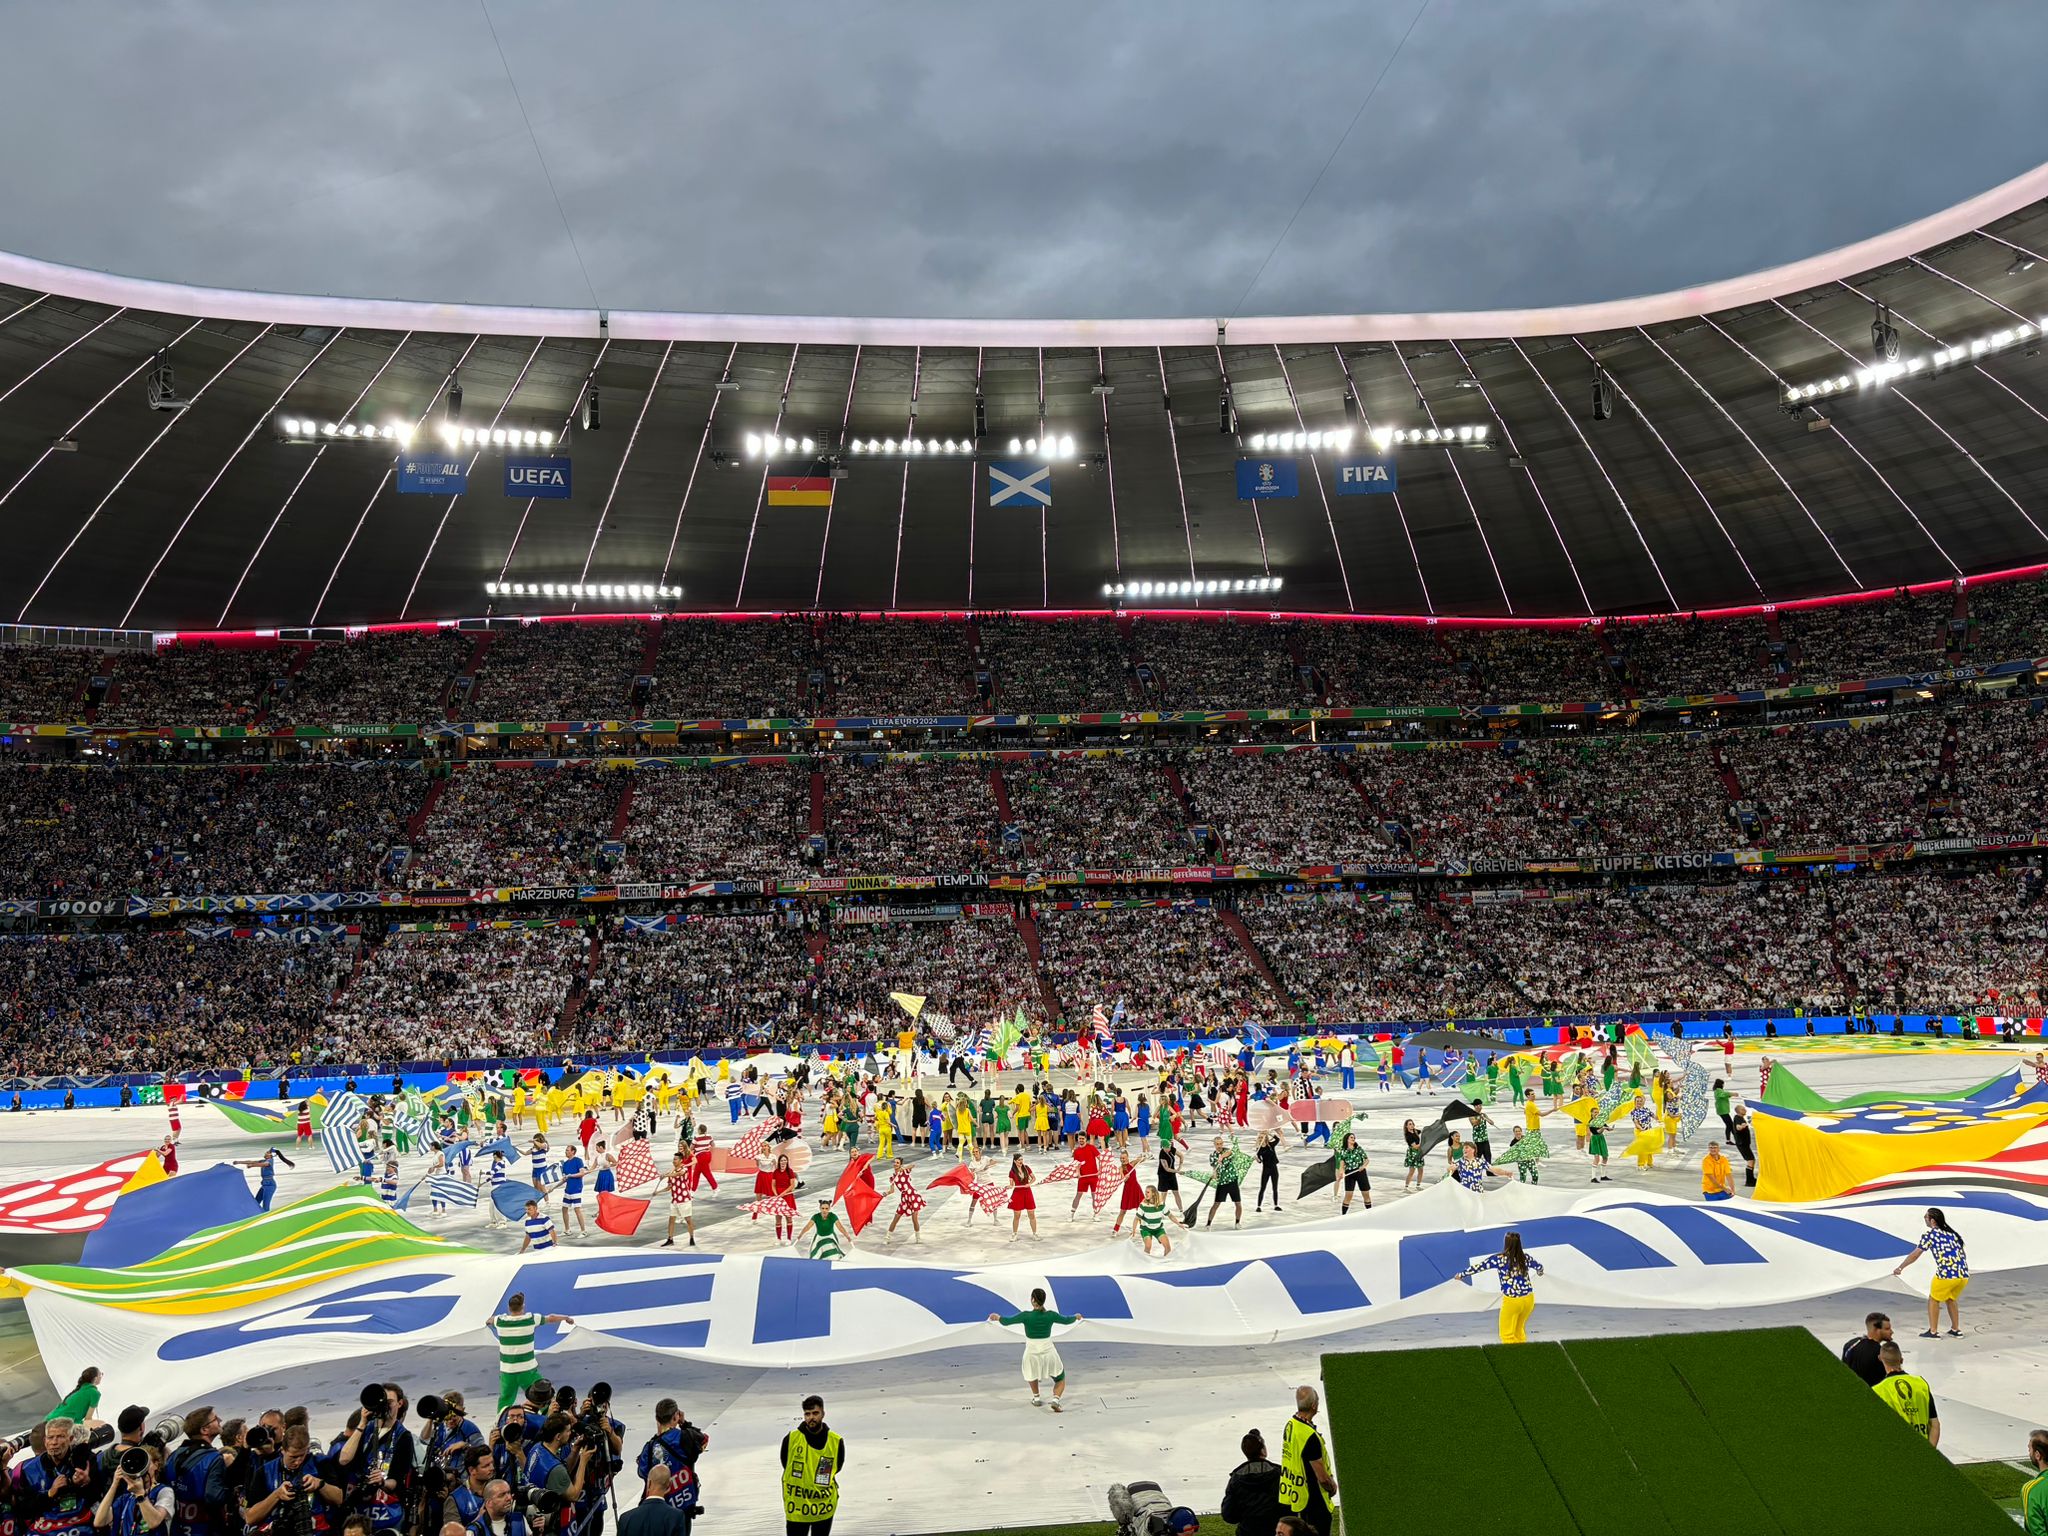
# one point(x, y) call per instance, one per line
point(337, 1276)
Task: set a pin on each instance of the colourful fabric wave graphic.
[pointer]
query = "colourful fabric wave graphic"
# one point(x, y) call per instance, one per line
point(306, 1243)
point(1817, 1154)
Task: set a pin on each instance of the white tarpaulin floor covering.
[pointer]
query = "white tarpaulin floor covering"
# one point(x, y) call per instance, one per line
point(946, 1438)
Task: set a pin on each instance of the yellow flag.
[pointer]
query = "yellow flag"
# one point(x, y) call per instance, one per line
point(910, 1002)
point(151, 1172)
point(1581, 1110)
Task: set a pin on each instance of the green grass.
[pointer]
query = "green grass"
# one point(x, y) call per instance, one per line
point(1086, 1528)
point(1759, 1431)
point(1999, 1481)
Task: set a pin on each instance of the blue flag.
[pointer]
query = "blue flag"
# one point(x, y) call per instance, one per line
point(1261, 479)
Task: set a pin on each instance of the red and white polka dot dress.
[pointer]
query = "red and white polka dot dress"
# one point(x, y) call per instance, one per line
point(909, 1198)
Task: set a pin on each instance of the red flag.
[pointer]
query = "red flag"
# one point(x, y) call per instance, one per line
point(619, 1214)
point(174, 1093)
point(235, 1090)
point(960, 1178)
point(857, 1191)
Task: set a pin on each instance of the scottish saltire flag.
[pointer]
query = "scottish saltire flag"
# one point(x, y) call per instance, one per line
point(1019, 483)
point(759, 1032)
point(338, 1131)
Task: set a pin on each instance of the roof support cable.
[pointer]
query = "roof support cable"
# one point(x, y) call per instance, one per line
point(1601, 465)
point(1508, 436)
point(1769, 463)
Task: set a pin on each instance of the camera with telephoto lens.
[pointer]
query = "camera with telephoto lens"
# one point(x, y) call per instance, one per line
point(134, 1462)
point(258, 1440)
point(79, 1458)
point(376, 1403)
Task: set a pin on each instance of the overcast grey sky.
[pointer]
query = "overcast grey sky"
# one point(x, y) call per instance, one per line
point(1044, 159)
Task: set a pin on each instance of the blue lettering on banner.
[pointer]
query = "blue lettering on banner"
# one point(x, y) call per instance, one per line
point(1316, 1281)
point(380, 1307)
point(795, 1296)
point(1366, 477)
point(547, 479)
point(567, 1289)
point(425, 474)
point(1428, 1259)
point(1260, 479)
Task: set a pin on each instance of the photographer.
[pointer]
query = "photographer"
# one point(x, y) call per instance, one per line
point(557, 1469)
point(293, 1495)
point(137, 1498)
point(129, 1427)
point(449, 1436)
point(56, 1490)
point(379, 1452)
point(676, 1445)
point(500, 1515)
point(199, 1478)
point(466, 1499)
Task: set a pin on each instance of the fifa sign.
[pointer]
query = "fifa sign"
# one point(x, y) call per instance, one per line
point(1366, 477)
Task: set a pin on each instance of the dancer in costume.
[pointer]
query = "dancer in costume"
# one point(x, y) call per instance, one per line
point(1167, 1174)
point(540, 1231)
point(1411, 1159)
point(572, 1191)
point(1517, 1291)
point(518, 1366)
point(1090, 1163)
point(1152, 1224)
point(1129, 1197)
point(826, 1228)
point(909, 1201)
point(1351, 1161)
point(1267, 1156)
point(1596, 1147)
point(1649, 1140)
point(1022, 1201)
point(682, 1180)
point(1041, 1361)
point(1226, 1169)
point(777, 1188)
point(1951, 1272)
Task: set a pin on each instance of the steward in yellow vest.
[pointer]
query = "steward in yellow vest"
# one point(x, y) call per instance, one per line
point(812, 1457)
point(1909, 1395)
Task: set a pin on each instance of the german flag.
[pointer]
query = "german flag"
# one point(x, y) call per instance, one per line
point(799, 491)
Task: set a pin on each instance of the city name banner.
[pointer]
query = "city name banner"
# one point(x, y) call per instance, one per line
point(176, 1331)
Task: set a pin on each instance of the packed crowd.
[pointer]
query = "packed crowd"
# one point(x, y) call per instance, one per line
point(742, 669)
point(1347, 959)
point(1814, 787)
point(807, 665)
point(401, 675)
point(1978, 940)
point(489, 991)
point(898, 667)
point(1185, 665)
point(1282, 812)
point(190, 685)
point(190, 831)
point(709, 980)
point(969, 970)
point(1591, 952)
point(928, 818)
point(1037, 666)
point(111, 1003)
point(1179, 968)
point(1110, 813)
point(559, 672)
point(517, 826)
point(741, 820)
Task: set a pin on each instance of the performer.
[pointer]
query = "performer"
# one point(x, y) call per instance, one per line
point(572, 1191)
point(1951, 1272)
point(540, 1231)
point(266, 1177)
point(518, 1367)
point(1129, 1198)
point(1649, 1141)
point(702, 1148)
point(1224, 1174)
point(1717, 1179)
point(1517, 1291)
point(1090, 1160)
point(305, 1129)
point(780, 1198)
point(826, 1228)
point(1596, 1148)
point(1267, 1156)
point(909, 1199)
point(682, 1179)
point(1351, 1161)
point(1152, 1224)
point(1411, 1159)
point(1041, 1361)
point(1169, 1178)
point(1022, 1201)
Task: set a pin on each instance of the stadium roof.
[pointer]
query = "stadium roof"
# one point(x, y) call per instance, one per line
point(1707, 487)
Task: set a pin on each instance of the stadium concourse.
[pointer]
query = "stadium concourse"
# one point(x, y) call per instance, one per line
point(1174, 1414)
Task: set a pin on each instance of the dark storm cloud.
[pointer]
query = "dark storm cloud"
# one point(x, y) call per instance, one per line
point(1053, 159)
